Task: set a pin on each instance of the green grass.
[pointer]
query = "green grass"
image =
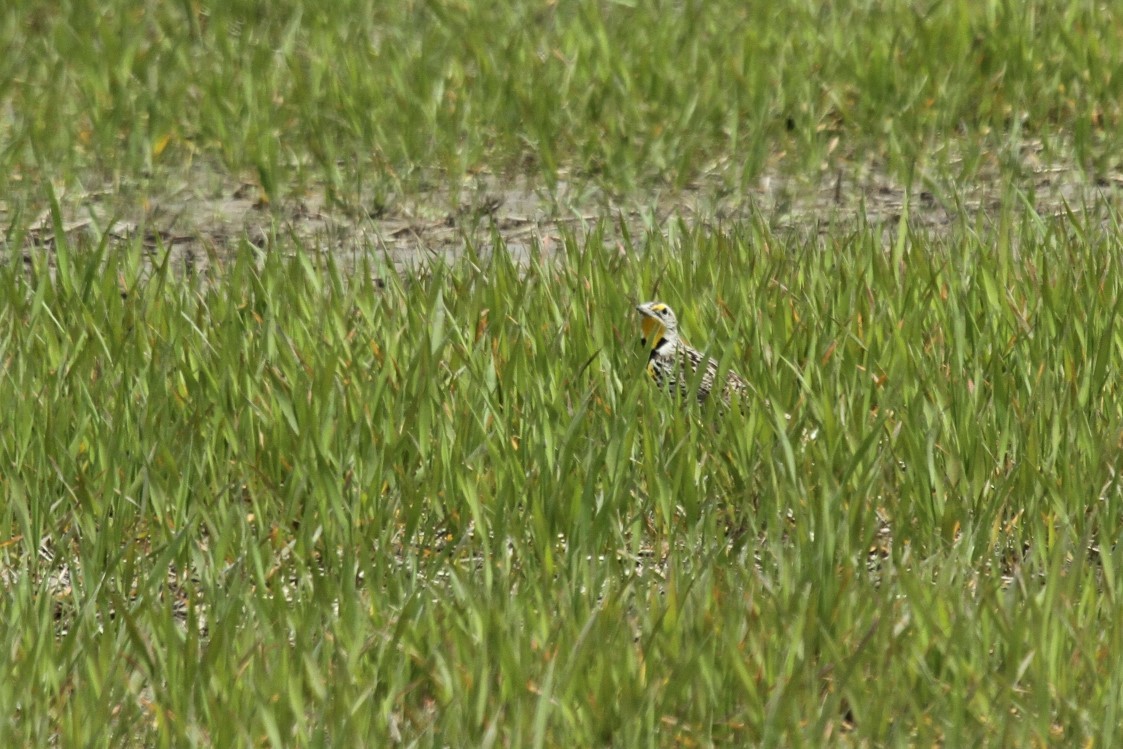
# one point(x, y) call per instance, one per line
point(300, 500)
point(366, 97)
point(450, 510)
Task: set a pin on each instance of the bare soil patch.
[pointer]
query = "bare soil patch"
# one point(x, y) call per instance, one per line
point(201, 216)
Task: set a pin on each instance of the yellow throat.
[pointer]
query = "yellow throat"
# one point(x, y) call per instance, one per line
point(652, 331)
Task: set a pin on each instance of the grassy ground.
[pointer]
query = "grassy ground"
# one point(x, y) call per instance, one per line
point(365, 96)
point(300, 502)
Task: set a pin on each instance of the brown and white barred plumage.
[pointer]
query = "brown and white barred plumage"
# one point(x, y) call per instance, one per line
point(673, 364)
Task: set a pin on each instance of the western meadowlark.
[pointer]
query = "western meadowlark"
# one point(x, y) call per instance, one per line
point(673, 363)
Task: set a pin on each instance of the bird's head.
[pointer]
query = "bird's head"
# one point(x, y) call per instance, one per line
point(659, 322)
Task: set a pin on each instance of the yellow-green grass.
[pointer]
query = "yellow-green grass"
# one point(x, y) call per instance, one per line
point(364, 97)
point(288, 504)
point(452, 510)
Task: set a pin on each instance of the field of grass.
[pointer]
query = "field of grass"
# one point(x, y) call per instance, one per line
point(301, 502)
point(365, 96)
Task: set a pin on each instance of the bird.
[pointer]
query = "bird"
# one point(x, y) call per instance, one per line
point(673, 363)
